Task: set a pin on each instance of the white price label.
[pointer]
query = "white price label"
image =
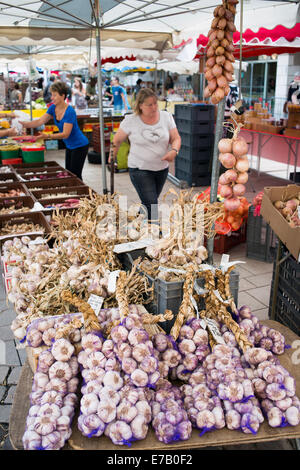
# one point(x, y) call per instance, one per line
point(95, 301)
point(112, 281)
point(214, 329)
point(37, 207)
point(123, 247)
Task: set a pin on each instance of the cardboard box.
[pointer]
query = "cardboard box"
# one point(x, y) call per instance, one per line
point(289, 236)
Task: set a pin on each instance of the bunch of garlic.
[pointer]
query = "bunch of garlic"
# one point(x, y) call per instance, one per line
point(274, 387)
point(135, 351)
point(203, 407)
point(170, 420)
point(260, 335)
point(53, 398)
point(42, 331)
point(228, 378)
point(193, 345)
point(167, 354)
point(114, 393)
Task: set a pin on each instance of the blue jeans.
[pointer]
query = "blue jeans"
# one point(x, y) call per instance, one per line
point(149, 185)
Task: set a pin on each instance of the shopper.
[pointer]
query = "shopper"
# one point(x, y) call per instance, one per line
point(65, 119)
point(11, 132)
point(154, 143)
point(120, 100)
point(78, 94)
point(47, 92)
point(16, 95)
point(91, 89)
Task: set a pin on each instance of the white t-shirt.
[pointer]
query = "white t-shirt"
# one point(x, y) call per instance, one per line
point(148, 143)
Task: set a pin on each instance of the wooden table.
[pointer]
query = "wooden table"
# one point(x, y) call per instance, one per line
point(220, 437)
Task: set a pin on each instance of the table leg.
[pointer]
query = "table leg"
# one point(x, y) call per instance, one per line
point(296, 160)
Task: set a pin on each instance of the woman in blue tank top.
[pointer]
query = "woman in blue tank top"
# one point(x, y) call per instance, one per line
point(65, 119)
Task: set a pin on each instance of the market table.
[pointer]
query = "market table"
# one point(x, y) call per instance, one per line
point(279, 143)
point(220, 437)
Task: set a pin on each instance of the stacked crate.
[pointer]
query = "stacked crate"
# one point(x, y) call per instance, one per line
point(195, 124)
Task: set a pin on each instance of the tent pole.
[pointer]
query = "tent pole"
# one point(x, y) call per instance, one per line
point(241, 49)
point(30, 90)
point(215, 171)
point(99, 81)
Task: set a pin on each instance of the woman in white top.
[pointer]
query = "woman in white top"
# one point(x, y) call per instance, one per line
point(154, 142)
point(78, 94)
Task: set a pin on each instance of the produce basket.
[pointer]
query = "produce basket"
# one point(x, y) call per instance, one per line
point(20, 202)
point(36, 165)
point(10, 189)
point(7, 177)
point(58, 182)
point(45, 175)
point(8, 154)
point(36, 218)
point(261, 240)
point(52, 169)
point(69, 191)
point(287, 303)
point(61, 201)
point(31, 155)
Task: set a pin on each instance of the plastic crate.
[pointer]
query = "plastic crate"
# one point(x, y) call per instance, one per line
point(224, 243)
point(192, 179)
point(193, 167)
point(32, 156)
point(193, 154)
point(197, 141)
point(261, 240)
point(168, 295)
point(287, 303)
point(198, 127)
point(195, 111)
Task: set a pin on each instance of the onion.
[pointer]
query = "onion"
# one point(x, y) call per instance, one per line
point(215, 22)
point(228, 66)
point(230, 47)
point(228, 36)
point(221, 81)
point(232, 204)
point(209, 75)
point(215, 43)
point(210, 62)
point(229, 56)
point(213, 35)
point(221, 11)
point(230, 176)
point(220, 50)
point(220, 34)
point(228, 15)
point(224, 43)
point(223, 180)
point(220, 59)
point(212, 84)
point(242, 165)
point(227, 90)
point(222, 23)
point(225, 145)
point(217, 70)
point(225, 190)
point(230, 26)
point(228, 76)
point(240, 147)
point(217, 96)
point(207, 92)
point(210, 52)
point(239, 190)
point(242, 178)
point(227, 159)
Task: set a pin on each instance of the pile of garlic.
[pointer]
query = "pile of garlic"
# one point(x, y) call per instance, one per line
point(117, 374)
point(275, 388)
point(170, 420)
point(260, 335)
point(53, 399)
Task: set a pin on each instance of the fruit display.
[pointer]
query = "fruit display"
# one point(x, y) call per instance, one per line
point(290, 210)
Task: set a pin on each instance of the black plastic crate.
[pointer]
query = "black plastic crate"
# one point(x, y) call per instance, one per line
point(193, 154)
point(193, 179)
point(287, 302)
point(261, 240)
point(195, 111)
point(190, 126)
point(197, 168)
point(197, 141)
point(168, 295)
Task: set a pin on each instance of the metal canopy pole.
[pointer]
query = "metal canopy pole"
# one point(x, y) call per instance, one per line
point(99, 80)
point(215, 170)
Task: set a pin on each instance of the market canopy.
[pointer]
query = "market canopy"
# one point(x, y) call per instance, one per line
point(128, 23)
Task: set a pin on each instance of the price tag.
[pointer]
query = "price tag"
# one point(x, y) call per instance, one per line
point(112, 281)
point(195, 305)
point(95, 301)
point(37, 207)
point(214, 330)
point(123, 247)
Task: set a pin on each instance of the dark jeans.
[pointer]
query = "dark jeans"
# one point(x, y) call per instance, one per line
point(149, 185)
point(75, 160)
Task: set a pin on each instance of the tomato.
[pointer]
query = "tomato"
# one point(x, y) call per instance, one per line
point(236, 225)
point(230, 219)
